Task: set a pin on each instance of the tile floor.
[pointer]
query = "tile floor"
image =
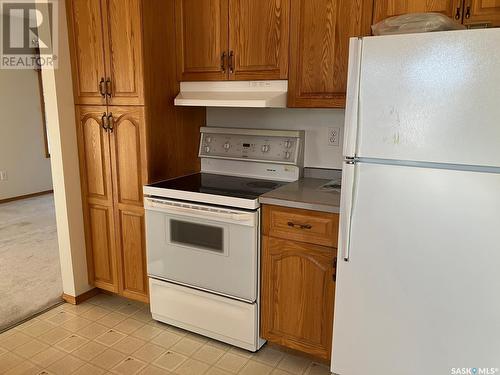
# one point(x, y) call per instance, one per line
point(111, 335)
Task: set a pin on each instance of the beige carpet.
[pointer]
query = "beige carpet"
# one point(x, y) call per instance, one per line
point(30, 274)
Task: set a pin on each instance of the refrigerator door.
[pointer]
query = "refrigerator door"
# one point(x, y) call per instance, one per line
point(430, 97)
point(420, 292)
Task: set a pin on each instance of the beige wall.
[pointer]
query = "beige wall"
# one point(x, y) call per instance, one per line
point(65, 172)
point(22, 150)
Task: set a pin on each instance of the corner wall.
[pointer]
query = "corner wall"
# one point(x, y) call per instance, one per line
point(58, 95)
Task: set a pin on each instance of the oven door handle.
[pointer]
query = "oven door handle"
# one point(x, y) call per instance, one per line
point(188, 210)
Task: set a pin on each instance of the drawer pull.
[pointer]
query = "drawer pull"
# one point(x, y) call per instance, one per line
point(300, 226)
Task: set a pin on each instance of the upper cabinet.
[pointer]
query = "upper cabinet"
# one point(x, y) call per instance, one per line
point(258, 39)
point(389, 8)
point(106, 51)
point(319, 49)
point(201, 35)
point(87, 41)
point(472, 13)
point(232, 39)
point(482, 13)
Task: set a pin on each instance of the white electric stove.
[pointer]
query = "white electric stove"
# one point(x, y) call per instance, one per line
point(203, 232)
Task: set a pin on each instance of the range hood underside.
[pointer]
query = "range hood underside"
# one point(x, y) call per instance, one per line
point(257, 94)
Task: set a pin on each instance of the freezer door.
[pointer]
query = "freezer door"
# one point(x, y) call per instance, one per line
point(420, 292)
point(431, 97)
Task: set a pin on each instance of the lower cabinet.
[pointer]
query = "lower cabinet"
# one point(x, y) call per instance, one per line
point(298, 289)
point(101, 247)
point(111, 142)
point(132, 253)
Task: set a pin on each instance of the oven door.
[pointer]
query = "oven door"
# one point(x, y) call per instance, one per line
point(206, 247)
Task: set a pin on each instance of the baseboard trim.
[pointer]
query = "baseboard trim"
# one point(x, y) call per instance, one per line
point(82, 297)
point(26, 196)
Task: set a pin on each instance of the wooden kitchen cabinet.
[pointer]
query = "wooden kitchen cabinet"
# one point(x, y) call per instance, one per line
point(472, 13)
point(130, 136)
point(389, 8)
point(202, 37)
point(481, 13)
point(95, 162)
point(113, 170)
point(258, 39)
point(87, 52)
point(129, 171)
point(232, 39)
point(131, 245)
point(106, 51)
point(319, 49)
point(298, 287)
point(128, 154)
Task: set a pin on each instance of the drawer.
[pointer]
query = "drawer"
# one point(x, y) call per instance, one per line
point(314, 227)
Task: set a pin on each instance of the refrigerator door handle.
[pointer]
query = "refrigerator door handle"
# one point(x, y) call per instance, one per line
point(346, 207)
point(352, 107)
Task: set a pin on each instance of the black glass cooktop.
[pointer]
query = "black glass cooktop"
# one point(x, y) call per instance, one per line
point(238, 187)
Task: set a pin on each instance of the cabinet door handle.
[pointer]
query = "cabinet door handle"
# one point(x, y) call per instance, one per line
point(467, 12)
point(103, 122)
point(457, 14)
point(299, 226)
point(231, 62)
point(108, 87)
point(334, 274)
point(111, 122)
point(101, 87)
point(223, 62)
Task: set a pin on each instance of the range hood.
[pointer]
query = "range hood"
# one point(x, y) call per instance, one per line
point(257, 94)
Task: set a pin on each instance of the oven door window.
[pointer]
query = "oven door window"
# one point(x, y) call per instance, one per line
point(197, 235)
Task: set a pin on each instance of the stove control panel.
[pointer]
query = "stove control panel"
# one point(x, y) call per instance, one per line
point(261, 145)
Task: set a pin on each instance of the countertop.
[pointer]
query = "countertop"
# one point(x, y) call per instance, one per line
point(306, 193)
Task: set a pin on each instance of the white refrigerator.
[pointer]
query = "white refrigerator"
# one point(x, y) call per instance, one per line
point(418, 279)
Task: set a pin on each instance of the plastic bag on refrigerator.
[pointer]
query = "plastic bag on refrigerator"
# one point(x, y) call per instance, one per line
point(415, 23)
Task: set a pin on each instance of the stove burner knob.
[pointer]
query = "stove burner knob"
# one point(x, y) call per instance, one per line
point(265, 148)
point(207, 149)
point(287, 155)
point(288, 144)
point(227, 146)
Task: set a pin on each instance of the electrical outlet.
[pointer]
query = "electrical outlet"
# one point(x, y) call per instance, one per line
point(333, 136)
point(3, 176)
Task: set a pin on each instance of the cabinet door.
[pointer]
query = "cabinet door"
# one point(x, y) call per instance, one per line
point(482, 13)
point(95, 165)
point(132, 244)
point(258, 39)
point(128, 147)
point(298, 295)
point(87, 50)
point(100, 241)
point(95, 174)
point(122, 23)
point(319, 49)
point(201, 39)
point(128, 159)
point(389, 8)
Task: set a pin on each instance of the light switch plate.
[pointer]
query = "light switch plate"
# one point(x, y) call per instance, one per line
point(3, 176)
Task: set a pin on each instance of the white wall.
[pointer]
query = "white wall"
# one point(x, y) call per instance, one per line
point(59, 105)
point(315, 122)
point(22, 149)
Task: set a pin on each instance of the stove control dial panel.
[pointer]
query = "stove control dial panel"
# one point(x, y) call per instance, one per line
point(251, 144)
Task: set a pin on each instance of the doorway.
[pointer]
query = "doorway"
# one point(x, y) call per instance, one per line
point(30, 271)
